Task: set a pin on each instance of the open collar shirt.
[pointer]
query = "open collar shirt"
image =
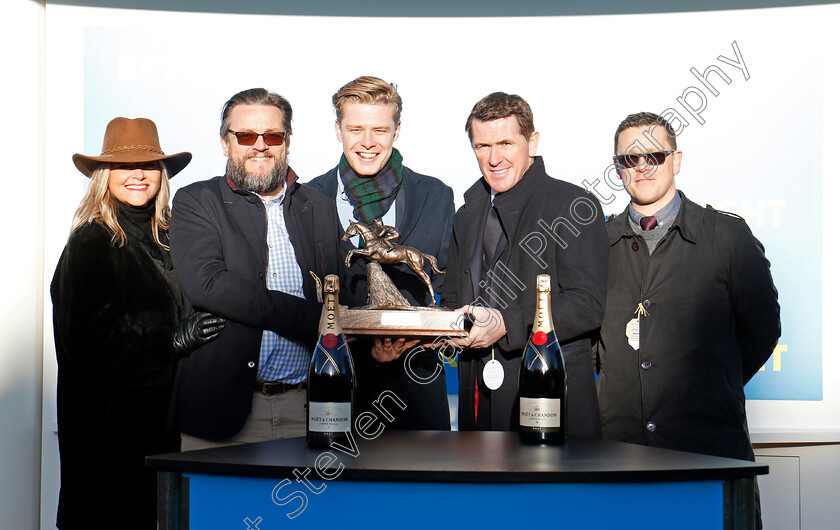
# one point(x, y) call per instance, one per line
point(281, 359)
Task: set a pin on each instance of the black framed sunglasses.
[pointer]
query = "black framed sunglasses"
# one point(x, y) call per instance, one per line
point(650, 159)
point(250, 138)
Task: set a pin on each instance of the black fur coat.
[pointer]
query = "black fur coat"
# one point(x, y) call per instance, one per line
point(114, 311)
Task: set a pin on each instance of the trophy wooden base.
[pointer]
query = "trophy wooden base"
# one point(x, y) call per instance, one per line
point(409, 322)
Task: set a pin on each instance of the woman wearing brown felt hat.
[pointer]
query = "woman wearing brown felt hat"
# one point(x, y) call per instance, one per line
point(120, 327)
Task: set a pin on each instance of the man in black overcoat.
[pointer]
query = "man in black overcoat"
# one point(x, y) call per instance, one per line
point(692, 312)
point(517, 222)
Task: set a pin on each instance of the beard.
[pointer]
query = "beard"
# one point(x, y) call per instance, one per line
point(255, 183)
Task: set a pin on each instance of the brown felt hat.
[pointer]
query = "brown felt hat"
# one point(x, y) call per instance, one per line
point(131, 141)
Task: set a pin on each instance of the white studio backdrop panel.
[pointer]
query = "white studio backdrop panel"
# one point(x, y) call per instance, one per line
point(750, 91)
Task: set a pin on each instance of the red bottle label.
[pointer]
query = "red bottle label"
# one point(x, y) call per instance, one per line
point(540, 338)
point(330, 340)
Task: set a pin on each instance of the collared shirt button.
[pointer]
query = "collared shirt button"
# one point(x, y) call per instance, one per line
point(646, 303)
point(635, 246)
point(274, 274)
point(650, 426)
point(645, 365)
point(251, 364)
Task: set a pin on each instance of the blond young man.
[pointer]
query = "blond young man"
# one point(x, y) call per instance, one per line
point(371, 183)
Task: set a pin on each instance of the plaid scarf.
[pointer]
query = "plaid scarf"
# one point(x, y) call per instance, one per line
point(372, 196)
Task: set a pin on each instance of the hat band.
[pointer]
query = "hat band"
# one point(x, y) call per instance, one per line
point(132, 148)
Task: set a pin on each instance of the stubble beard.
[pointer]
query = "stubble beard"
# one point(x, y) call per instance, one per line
point(255, 183)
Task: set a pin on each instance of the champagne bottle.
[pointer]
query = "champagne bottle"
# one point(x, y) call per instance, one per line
point(542, 377)
point(332, 379)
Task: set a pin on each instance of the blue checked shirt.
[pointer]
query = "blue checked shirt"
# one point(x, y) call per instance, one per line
point(281, 359)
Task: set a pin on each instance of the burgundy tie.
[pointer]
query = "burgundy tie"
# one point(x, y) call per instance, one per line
point(648, 223)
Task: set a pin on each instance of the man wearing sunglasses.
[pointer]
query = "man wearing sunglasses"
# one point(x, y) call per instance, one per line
point(692, 312)
point(371, 184)
point(247, 245)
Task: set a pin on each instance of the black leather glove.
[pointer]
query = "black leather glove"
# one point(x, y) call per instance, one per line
point(197, 329)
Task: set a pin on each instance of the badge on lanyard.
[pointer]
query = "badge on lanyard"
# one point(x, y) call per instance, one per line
point(632, 328)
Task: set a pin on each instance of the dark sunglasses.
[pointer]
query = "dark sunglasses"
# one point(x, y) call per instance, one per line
point(250, 138)
point(650, 159)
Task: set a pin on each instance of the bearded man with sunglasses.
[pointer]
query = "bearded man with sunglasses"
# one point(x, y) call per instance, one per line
point(247, 245)
point(692, 312)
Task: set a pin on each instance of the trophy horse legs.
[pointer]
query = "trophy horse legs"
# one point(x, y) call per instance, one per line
point(359, 251)
point(428, 282)
point(417, 264)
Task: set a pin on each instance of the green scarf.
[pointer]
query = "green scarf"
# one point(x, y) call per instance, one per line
point(372, 196)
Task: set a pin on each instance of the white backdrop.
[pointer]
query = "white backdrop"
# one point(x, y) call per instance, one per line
point(760, 150)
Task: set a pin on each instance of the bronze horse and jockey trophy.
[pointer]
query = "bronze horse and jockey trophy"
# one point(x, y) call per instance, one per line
point(387, 312)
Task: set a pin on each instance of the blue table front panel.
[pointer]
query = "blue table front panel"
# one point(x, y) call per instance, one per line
point(269, 504)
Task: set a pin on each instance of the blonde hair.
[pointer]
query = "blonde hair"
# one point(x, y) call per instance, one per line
point(368, 90)
point(99, 205)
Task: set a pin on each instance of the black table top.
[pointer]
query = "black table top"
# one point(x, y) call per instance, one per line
point(440, 456)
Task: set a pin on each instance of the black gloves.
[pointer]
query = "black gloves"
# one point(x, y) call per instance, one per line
point(197, 329)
